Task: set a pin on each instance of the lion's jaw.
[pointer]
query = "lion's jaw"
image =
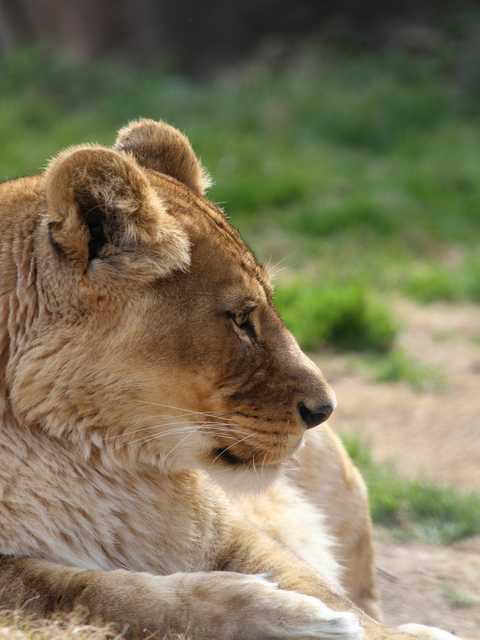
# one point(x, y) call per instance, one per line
point(147, 334)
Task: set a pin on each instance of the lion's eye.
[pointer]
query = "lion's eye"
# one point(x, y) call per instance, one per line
point(244, 323)
point(248, 327)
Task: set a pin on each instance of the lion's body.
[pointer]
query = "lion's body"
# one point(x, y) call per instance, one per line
point(119, 425)
point(57, 507)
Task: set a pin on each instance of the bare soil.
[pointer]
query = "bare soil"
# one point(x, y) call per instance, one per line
point(432, 435)
point(430, 584)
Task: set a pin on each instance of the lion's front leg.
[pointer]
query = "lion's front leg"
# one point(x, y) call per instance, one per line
point(256, 552)
point(331, 481)
point(203, 605)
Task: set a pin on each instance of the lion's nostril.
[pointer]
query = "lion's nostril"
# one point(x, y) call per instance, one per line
point(314, 417)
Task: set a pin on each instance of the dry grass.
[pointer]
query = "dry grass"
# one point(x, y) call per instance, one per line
point(18, 626)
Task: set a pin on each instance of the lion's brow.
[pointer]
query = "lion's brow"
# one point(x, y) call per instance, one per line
point(215, 216)
point(249, 260)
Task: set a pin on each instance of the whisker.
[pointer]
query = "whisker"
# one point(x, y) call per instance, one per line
point(156, 436)
point(274, 269)
point(166, 423)
point(183, 410)
point(175, 447)
point(263, 462)
point(227, 433)
point(127, 433)
point(223, 451)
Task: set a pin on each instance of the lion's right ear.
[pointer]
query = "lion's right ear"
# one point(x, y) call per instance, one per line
point(159, 146)
point(102, 207)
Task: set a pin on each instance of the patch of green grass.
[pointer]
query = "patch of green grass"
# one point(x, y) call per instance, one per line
point(460, 599)
point(399, 366)
point(414, 508)
point(432, 283)
point(343, 317)
point(471, 277)
point(359, 215)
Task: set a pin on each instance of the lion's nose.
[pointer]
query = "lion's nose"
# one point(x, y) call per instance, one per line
point(311, 417)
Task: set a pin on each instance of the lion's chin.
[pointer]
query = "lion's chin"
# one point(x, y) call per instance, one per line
point(238, 475)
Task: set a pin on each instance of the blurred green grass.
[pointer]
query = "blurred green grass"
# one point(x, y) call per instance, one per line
point(414, 508)
point(432, 282)
point(346, 317)
point(363, 170)
point(398, 366)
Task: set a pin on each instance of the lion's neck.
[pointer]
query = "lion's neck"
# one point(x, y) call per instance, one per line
point(18, 299)
point(56, 506)
point(6, 291)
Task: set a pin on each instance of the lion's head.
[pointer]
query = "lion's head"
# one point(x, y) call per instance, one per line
point(144, 329)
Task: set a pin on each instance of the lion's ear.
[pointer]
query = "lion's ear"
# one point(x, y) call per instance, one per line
point(159, 146)
point(101, 206)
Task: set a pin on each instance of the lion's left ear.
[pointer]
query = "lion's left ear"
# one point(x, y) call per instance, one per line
point(102, 208)
point(159, 146)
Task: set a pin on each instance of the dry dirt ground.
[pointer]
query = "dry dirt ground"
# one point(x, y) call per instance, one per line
point(431, 584)
point(433, 435)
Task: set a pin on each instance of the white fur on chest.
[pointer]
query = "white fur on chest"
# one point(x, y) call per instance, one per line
point(286, 514)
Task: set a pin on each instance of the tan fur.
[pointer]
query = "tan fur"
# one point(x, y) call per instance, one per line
point(161, 147)
point(154, 468)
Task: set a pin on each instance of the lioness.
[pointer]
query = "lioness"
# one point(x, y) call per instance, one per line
point(143, 367)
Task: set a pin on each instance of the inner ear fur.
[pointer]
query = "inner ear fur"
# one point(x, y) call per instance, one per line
point(161, 147)
point(100, 204)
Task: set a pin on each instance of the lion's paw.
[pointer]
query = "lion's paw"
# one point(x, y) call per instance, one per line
point(291, 615)
point(249, 607)
point(341, 626)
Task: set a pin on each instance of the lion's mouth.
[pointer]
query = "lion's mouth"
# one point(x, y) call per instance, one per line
point(257, 456)
point(228, 457)
point(243, 472)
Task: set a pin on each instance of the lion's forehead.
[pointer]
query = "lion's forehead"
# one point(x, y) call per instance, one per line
point(205, 221)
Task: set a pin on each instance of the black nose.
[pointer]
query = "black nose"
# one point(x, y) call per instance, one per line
point(312, 418)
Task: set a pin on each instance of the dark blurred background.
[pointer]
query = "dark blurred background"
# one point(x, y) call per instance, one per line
point(344, 142)
point(203, 37)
